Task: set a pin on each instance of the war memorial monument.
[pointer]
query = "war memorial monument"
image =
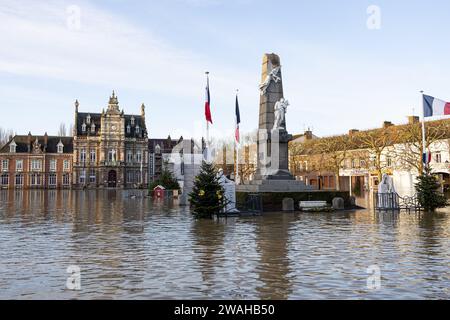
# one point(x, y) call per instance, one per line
point(273, 182)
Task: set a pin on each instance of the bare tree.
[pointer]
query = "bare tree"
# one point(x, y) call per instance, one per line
point(376, 142)
point(70, 130)
point(409, 151)
point(333, 152)
point(62, 132)
point(5, 136)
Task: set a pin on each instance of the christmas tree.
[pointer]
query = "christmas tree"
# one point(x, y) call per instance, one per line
point(207, 197)
point(428, 193)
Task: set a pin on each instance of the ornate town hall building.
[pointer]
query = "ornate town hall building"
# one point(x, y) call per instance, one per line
point(110, 148)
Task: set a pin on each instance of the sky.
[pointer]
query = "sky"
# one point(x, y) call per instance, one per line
point(345, 64)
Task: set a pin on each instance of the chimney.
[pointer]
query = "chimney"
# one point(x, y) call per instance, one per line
point(29, 141)
point(45, 141)
point(413, 119)
point(352, 131)
point(308, 134)
point(387, 124)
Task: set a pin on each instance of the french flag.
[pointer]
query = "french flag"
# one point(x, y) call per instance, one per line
point(434, 107)
point(238, 121)
point(208, 104)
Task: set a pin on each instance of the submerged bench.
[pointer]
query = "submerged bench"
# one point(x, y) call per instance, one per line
point(313, 205)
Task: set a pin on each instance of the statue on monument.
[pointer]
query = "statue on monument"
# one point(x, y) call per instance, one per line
point(230, 192)
point(274, 75)
point(280, 110)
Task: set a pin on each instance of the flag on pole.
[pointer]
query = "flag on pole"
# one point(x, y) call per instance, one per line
point(434, 107)
point(208, 104)
point(238, 121)
point(426, 158)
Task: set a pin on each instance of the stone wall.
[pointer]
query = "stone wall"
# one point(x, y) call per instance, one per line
point(272, 202)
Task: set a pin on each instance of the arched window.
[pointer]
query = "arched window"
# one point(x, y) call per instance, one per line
point(83, 127)
point(93, 128)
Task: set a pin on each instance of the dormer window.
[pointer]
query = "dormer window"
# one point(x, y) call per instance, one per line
point(157, 149)
point(12, 147)
point(93, 128)
point(83, 127)
point(128, 129)
point(132, 121)
point(138, 129)
point(60, 147)
point(88, 119)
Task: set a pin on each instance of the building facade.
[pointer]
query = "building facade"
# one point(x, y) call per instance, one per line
point(392, 149)
point(110, 148)
point(36, 162)
point(159, 152)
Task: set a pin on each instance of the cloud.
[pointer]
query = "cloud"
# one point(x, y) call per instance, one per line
point(106, 50)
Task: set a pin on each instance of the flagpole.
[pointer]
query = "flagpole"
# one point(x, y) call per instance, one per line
point(207, 123)
point(237, 149)
point(424, 141)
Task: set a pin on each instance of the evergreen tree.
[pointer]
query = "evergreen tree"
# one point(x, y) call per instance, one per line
point(207, 197)
point(166, 180)
point(429, 196)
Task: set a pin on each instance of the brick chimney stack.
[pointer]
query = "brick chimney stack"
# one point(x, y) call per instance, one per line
point(29, 141)
point(45, 141)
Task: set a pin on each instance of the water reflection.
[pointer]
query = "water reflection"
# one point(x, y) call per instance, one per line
point(136, 248)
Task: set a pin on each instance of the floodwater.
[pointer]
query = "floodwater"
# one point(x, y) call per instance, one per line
point(141, 249)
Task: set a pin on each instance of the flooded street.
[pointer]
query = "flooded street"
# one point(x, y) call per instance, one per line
point(140, 249)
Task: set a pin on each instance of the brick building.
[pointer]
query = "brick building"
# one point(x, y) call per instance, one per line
point(36, 162)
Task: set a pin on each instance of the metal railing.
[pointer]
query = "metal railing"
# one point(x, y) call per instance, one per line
point(394, 202)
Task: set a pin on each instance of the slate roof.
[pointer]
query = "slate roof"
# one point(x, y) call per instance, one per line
point(52, 144)
point(96, 119)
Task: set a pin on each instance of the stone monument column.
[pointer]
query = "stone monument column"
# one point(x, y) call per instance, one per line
point(273, 138)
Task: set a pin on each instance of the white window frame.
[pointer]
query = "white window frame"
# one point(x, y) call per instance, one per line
point(36, 179)
point(138, 157)
point(66, 179)
point(5, 165)
point(438, 157)
point(66, 165)
point(129, 156)
point(52, 179)
point(93, 155)
point(19, 168)
point(20, 176)
point(53, 165)
point(13, 147)
point(36, 164)
point(92, 176)
point(82, 178)
point(83, 155)
point(4, 179)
